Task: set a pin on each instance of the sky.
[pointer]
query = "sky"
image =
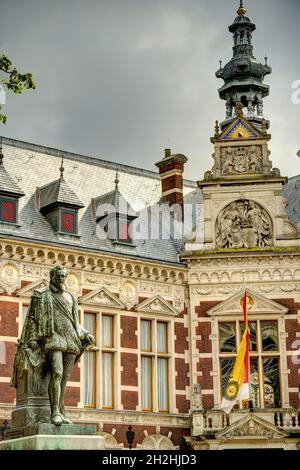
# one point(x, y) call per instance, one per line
point(124, 79)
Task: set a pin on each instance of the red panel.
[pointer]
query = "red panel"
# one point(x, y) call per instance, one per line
point(68, 222)
point(124, 232)
point(8, 211)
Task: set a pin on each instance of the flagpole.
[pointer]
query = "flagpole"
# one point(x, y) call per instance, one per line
point(247, 326)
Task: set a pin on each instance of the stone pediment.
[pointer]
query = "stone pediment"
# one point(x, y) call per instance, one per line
point(251, 426)
point(257, 304)
point(27, 291)
point(240, 129)
point(157, 304)
point(102, 297)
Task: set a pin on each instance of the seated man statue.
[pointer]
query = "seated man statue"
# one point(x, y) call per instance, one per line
point(52, 334)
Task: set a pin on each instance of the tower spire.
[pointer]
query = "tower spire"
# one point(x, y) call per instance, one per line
point(243, 75)
point(242, 10)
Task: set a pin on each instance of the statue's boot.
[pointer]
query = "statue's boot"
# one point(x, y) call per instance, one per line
point(64, 416)
point(57, 419)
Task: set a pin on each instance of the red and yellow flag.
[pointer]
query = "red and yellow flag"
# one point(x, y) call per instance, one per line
point(238, 384)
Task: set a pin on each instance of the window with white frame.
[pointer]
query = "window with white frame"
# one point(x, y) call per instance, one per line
point(154, 346)
point(264, 352)
point(99, 360)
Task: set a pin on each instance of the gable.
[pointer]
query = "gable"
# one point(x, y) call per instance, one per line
point(102, 297)
point(27, 291)
point(240, 129)
point(251, 426)
point(157, 304)
point(257, 304)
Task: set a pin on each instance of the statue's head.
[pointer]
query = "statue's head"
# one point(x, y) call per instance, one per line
point(58, 276)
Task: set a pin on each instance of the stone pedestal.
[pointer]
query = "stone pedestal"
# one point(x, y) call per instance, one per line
point(50, 437)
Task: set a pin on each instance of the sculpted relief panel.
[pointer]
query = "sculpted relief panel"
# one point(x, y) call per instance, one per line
point(236, 160)
point(243, 224)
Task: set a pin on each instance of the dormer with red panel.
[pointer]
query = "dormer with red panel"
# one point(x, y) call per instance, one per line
point(10, 193)
point(60, 205)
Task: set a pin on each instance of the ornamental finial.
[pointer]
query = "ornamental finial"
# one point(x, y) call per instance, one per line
point(61, 169)
point(117, 181)
point(242, 10)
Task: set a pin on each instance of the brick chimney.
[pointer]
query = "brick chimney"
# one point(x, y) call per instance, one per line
point(171, 174)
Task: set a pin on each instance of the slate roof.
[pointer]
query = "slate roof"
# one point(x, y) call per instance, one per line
point(58, 192)
point(91, 178)
point(7, 183)
point(117, 201)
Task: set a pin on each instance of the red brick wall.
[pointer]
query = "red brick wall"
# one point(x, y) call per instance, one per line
point(129, 327)
point(75, 375)
point(294, 400)
point(204, 330)
point(204, 365)
point(129, 399)
point(202, 308)
point(182, 369)
point(173, 181)
point(292, 327)
point(7, 393)
point(182, 404)
point(9, 351)
point(181, 333)
point(208, 402)
point(72, 396)
point(9, 312)
point(171, 166)
point(129, 362)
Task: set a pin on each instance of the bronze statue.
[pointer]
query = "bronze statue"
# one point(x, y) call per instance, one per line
point(52, 336)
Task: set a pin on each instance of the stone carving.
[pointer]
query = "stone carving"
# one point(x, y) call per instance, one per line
point(197, 397)
point(243, 224)
point(51, 342)
point(128, 294)
point(36, 271)
point(101, 280)
point(155, 288)
point(252, 428)
point(102, 296)
point(235, 160)
point(157, 305)
point(9, 278)
point(73, 284)
point(157, 442)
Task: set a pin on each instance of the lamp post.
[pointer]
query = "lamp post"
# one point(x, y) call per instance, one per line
point(130, 436)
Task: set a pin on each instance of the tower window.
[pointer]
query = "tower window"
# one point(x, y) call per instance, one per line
point(124, 232)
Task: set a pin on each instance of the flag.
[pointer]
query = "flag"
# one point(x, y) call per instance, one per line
point(238, 384)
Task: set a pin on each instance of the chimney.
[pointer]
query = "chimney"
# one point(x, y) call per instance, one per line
point(171, 174)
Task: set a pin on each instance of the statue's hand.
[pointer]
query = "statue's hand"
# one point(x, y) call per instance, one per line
point(91, 339)
point(33, 345)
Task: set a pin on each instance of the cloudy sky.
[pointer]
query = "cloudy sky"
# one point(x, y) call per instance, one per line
point(124, 79)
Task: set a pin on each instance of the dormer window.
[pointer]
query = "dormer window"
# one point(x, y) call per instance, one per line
point(8, 209)
point(9, 196)
point(60, 205)
point(114, 215)
point(68, 221)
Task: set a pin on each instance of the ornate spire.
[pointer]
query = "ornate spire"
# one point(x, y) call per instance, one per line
point(243, 75)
